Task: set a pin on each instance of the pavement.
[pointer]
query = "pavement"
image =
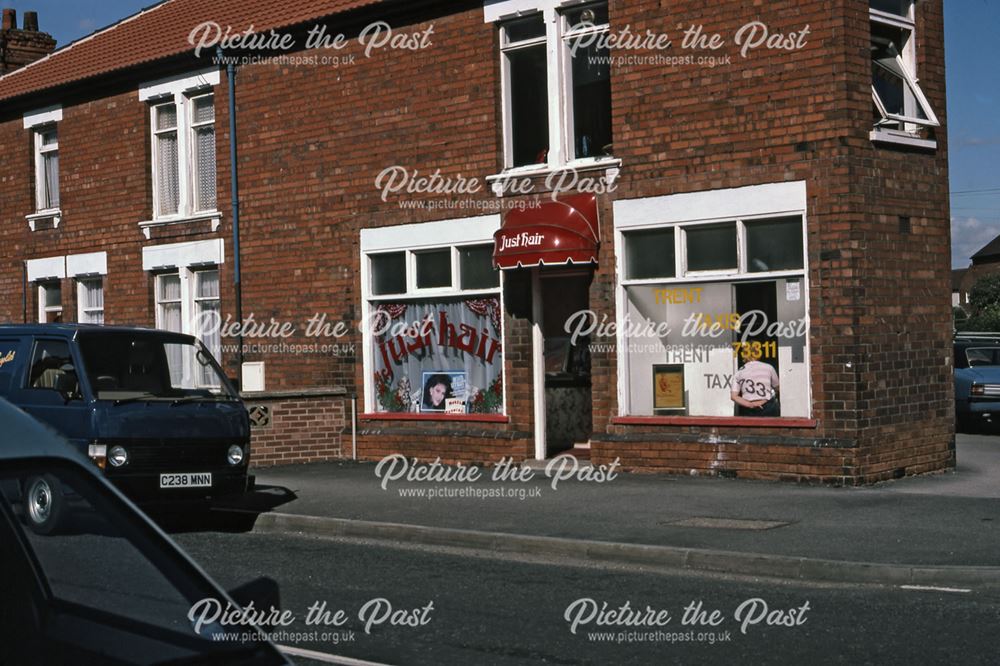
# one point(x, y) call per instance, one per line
point(935, 530)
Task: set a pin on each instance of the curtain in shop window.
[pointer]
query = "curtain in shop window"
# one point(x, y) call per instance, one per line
point(439, 356)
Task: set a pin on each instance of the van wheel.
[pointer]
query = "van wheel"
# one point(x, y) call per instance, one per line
point(43, 503)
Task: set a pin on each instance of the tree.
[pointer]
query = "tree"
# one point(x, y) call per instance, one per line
point(984, 301)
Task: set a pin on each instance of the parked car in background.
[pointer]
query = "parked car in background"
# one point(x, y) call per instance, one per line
point(107, 586)
point(977, 380)
point(152, 409)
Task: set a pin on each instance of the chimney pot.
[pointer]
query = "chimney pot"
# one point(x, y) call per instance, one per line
point(31, 21)
point(9, 19)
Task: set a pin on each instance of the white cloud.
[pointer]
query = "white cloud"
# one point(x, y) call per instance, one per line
point(968, 235)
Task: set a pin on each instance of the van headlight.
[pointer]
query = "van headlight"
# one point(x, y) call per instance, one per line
point(117, 456)
point(235, 455)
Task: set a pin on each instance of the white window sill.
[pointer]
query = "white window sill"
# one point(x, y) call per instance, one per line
point(53, 214)
point(213, 216)
point(901, 139)
point(611, 166)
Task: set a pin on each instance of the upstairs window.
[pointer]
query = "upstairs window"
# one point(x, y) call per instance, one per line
point(184, 169)
point(899, 103)
point(46, 168)
point(556, 77)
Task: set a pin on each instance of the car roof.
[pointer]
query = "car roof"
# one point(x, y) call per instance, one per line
point(24, 437)
point(70, 330)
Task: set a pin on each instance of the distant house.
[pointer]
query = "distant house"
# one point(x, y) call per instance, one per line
point(959, 296)
point(984, 262)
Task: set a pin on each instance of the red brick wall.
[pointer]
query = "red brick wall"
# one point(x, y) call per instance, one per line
point(313, 139)
point(300, 428)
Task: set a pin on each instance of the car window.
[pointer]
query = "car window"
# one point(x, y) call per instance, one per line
point(52, 368)
point(983, 356)
point(104, 563)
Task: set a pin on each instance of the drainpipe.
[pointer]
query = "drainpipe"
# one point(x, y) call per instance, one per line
point(24, 291)
point(235, 200)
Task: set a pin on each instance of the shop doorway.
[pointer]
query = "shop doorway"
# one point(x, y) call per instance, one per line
point(562, 377)
point(760, 297)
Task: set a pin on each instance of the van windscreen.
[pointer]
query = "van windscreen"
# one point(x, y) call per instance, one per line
point(125, 366)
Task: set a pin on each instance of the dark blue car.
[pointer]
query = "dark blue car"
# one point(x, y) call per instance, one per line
point(977, 380)
point(150, 408)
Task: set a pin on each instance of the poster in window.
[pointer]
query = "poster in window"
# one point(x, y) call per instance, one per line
point(443, 391)
point(668, 386)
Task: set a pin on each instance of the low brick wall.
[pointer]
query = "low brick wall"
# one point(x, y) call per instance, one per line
point(289, 427)
point(470, 443)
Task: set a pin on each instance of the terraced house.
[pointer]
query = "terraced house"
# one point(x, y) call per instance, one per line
point(505, 229)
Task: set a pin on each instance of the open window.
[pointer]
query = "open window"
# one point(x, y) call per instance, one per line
point(900, 106)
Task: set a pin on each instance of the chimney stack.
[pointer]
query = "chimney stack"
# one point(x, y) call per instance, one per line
point(21, 47)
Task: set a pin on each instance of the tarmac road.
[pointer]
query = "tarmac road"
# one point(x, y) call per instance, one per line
point(491, 610)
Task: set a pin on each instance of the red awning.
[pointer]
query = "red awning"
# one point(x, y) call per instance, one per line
point(554, 233)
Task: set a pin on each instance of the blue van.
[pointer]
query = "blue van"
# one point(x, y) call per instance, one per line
point(152, 409)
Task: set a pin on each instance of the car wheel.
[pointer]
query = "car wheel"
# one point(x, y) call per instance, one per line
point(43, 503)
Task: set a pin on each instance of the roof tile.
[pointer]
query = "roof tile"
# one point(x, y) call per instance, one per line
point(159, 32)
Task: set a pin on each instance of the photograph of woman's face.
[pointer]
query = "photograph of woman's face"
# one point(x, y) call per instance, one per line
point(438, 387)
point(437, 393)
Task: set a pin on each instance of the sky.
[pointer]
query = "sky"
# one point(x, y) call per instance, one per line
point(973, 81)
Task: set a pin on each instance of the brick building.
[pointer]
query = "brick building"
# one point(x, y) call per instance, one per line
point(470, 183)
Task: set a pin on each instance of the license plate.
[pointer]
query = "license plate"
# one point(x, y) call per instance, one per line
point(202, 480)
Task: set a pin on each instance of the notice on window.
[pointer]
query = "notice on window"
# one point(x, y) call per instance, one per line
point(793, 291)
point(668, 386)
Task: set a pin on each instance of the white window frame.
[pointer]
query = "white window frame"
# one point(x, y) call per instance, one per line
point(187, 177)
point(907, 62)
point(43, 309)
point(84, 313)
point(193, 128)
point(453, 234)
point(180, 91)
point(559, 86)
point(38, 122)
point(759, 202)
point(189, 300)
point(42, 193)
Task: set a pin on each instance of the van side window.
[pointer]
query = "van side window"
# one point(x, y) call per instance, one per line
point(52, 368)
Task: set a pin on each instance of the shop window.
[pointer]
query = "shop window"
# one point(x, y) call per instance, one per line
point(774, 245)
point(388, 273)
point(90, 298)
point(440, 354)
point(686, 337)
point(433, 269)
point(899, 103)
point(711, 248)
point(476, 267)
point(50, 309)
point(556, 51)
point(650, 254)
